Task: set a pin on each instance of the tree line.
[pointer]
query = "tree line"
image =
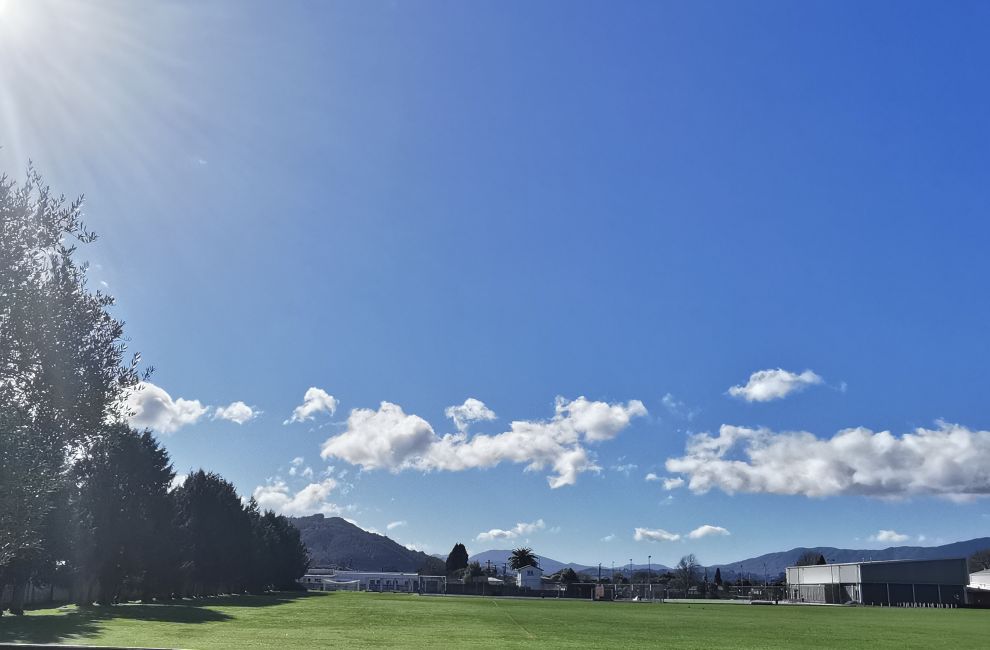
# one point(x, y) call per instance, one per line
point(86, 501)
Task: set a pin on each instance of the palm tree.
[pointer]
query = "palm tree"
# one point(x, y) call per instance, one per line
point(521, 557)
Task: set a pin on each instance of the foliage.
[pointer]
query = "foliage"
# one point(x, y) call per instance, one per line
point(810, 558)
point(686, 572)
point(62, 374)
point(523, 556)
point(979, 561)
point(457, 559)
point(718, 577)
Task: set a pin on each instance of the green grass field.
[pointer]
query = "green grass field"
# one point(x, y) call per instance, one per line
point(358, 620)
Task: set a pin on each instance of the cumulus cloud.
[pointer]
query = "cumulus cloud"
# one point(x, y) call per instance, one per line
point(149, 406)
point(386, 438)
point(395, 524)
point(472, 410)
point(608, 538)
point(625, 468)
point(238, 412)
point(310, 500)
point(706, 530)
point(889, 536)
point(766, 385)
point(654, 535)
point(950, 461)
point(652, 477)
point(316, 400)
point(519, 530)
point(390, 439)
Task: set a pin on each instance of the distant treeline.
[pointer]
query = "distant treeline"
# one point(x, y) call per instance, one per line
point(87, 502)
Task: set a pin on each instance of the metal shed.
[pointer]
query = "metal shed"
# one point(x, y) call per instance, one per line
point(888, 583)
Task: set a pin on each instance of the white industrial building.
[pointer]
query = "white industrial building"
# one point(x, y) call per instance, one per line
point(887, 583)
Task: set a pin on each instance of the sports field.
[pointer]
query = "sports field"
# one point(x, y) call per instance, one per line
point(358, 620)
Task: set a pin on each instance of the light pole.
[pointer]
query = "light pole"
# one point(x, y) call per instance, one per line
point(649, 574)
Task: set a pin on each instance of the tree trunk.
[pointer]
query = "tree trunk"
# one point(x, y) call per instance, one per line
point(17, 598)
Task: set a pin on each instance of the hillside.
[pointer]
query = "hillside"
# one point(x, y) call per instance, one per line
point(777, 562)
point(332, 541)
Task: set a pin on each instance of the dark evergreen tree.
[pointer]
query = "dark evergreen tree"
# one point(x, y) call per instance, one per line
point(215, 534)
point(123, 517)
point(718, 577)
point(457, 559)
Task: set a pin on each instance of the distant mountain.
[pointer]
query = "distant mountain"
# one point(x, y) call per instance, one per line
point(550, 565)
point(332, 541)
point(776, 563)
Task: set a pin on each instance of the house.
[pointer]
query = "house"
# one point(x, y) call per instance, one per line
point(978, 592)
point(888, 583)
point(529, 577)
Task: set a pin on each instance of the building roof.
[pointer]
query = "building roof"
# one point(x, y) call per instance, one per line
point(876, 562)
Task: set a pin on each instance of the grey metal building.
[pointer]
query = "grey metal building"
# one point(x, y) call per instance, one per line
point(889, 583)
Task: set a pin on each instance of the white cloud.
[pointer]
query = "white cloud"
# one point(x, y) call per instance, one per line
point(889, 536)
point(238, 412)
point(472, 410)
point(707, 530)
point(654, 535)
point(669, 483)
point(519, 530)
point(177, 481)
point(950, 461)
point(608, 538)
point(766, 385)
point(153, 408)
point(395, 524)
point(386, 438)
point(316, 400)
point(389, 438)
point(310, 500)
point(677, 408)
point(625, 469)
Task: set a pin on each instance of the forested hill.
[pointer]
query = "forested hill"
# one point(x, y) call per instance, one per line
point(332, 541)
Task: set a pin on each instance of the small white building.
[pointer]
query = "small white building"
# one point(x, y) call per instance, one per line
point(980, 580)
point(375, 581)
point(529, 577)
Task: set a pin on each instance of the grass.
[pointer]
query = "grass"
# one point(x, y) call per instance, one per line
point(358, 620)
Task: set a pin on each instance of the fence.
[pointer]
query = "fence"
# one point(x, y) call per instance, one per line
point(621, 592)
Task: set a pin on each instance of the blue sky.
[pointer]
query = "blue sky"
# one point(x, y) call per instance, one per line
point(422, 203)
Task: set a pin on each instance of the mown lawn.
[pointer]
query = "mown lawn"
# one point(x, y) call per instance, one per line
point(357, 620)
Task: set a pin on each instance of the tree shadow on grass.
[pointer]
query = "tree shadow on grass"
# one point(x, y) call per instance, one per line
point(84, 622)
point(246, 600)
point(88, 620)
